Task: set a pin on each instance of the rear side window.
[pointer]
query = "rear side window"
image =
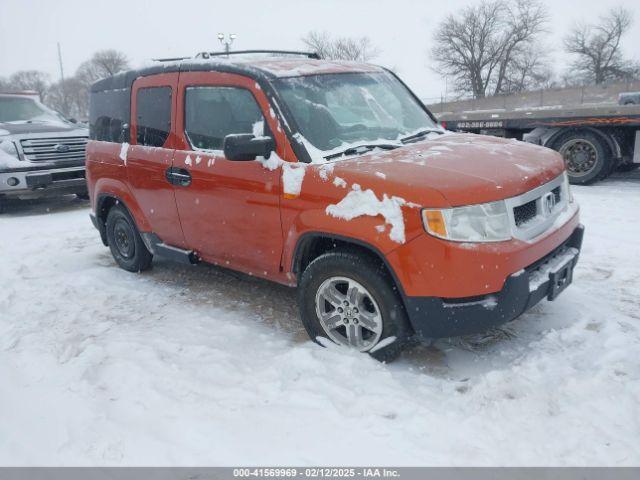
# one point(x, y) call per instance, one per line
point(109, 115)
point(153, 107)
point(212, 113)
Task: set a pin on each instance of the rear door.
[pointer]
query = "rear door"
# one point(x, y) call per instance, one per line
point(230, 209)
point(151, 152)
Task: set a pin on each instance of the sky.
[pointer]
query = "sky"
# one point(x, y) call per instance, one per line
point(401, 29)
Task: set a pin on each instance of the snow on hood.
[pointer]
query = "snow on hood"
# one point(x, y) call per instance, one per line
point(463, 168)
point(40, 127)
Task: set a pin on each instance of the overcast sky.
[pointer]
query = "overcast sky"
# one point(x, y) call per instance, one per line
point(402, 29)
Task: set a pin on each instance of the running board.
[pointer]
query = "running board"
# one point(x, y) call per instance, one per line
point(153, 242)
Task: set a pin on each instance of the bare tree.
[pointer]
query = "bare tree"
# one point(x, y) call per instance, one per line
point(70, 98)
point(598, 49)
point(485, 45)
point(30, 80)
point(341, 48)
point(104, 63)
point(4, 85)
point(528, 70)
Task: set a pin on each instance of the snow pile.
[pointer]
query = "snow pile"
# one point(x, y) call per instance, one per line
point(325, 170)
point(360, 202)
point(292, 177)
point(339, 182)
point(124, 149)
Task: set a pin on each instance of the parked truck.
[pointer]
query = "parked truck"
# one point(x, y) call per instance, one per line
point(594, 141)
point(41, 152)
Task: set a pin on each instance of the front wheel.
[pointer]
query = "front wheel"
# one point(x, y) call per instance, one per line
point(351, 300)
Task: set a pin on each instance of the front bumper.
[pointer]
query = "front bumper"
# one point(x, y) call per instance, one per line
point(438, 318)
point(32, 183)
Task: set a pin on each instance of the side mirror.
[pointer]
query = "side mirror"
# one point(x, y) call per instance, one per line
point(245, 146)
point(73, 120)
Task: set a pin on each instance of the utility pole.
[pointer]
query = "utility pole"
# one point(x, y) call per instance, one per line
point(227, 44)
point(65, 105)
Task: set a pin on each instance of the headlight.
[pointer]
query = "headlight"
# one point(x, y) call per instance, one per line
point(567, 187)
point(486, 222)
point(9, 147)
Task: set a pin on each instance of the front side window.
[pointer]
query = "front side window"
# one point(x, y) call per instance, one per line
point(334, 111)
point(153, 106)
point(212, 113)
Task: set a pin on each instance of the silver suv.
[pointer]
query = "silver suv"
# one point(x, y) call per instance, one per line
point(41, 152)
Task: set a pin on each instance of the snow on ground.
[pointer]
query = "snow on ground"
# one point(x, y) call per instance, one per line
point(201, 366)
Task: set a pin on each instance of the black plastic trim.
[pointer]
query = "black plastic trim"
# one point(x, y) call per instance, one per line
point(176, 254)
point(308, 236)
point(433, 317)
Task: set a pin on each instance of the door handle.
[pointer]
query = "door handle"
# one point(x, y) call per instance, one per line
point(178, 176)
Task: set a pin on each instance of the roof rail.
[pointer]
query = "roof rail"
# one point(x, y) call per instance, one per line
point(173, 59)
point(205, 55)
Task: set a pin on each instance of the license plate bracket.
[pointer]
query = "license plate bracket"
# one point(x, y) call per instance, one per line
point(560, 278)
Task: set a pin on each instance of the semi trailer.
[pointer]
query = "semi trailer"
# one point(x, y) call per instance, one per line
point(593, 140)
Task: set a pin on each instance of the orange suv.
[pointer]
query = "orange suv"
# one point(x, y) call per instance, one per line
point(334, 178)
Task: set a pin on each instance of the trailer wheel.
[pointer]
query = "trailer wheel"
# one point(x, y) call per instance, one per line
point(586, 157)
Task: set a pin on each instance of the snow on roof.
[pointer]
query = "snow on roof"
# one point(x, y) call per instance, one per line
point(306, 66)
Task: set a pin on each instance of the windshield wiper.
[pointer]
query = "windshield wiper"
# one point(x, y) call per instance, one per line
point(362, 149)
point(420, 134)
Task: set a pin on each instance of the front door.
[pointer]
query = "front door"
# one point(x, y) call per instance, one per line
point(230, 209)
point(151, 154)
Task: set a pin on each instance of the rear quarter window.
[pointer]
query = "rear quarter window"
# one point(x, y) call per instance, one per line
point(109, 113)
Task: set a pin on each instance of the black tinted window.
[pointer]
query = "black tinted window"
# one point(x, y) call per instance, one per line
point(154, 116)
point(109, 115)
point(212, 113)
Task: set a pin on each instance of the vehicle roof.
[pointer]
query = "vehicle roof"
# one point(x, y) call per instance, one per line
point(257, 68)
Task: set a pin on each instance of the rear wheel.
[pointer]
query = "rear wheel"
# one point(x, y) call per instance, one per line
point(586, 157)
point(125, 243)
point(351, 300)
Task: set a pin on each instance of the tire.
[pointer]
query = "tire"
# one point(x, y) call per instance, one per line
point(2, 205)
point(586, 157)
point(125, 243)
point(377, 312)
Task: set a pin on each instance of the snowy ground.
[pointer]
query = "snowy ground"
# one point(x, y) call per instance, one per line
point(198, 365)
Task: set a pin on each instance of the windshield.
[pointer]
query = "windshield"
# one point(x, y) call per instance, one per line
point(24, 109)
point(335, 112)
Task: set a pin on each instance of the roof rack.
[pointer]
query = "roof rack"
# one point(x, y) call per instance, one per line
point(171, 59)
point(205, 55)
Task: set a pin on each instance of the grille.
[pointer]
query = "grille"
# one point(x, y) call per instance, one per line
point(52, 149)
point(525, 212)
point(556, 193)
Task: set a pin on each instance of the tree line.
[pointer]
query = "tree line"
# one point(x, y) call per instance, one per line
point(492, 47)
point(71, 96)
point(497, 47)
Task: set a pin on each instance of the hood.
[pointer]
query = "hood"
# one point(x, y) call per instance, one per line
point(464, 168)
point(37, 127)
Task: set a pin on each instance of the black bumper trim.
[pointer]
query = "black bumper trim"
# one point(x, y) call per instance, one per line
point(433, 317)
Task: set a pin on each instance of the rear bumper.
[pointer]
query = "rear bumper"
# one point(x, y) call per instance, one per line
point(437, 317)
point(43, 182)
